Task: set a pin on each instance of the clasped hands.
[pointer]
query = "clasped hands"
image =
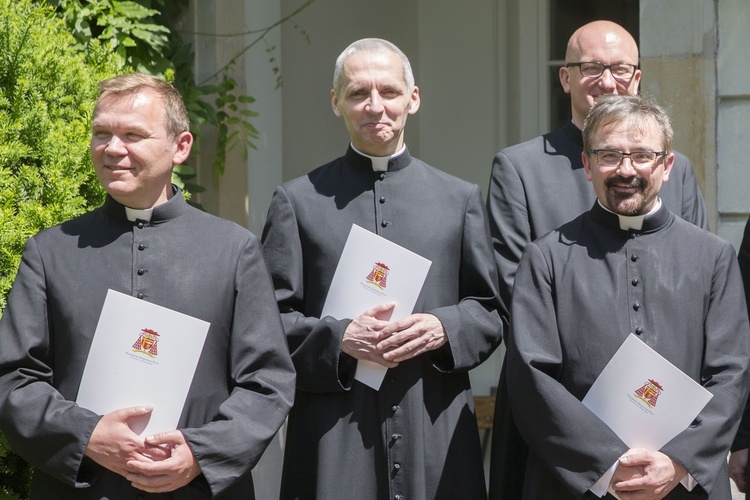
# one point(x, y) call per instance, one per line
point(646, 475)
point(159, 463)
point(371, 337)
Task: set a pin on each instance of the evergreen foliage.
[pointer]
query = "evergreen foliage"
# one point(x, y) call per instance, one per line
point(47, 92)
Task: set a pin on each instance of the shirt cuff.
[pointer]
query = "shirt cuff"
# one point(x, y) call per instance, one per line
point(688, 482)
point(602, 485)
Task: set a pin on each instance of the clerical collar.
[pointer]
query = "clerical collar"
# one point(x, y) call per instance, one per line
point(380, 163)
point(632, 221)
point(134, 214)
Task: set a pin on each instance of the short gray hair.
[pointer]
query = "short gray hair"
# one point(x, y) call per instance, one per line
point(370, 45)
point(632, 109)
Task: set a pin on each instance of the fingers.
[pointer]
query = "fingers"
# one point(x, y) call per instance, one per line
point(125, 414)
point(171, 438)
point(412, 336)
point(381, 312)
point(661, 474)
point(636, 456)
point(167, 475)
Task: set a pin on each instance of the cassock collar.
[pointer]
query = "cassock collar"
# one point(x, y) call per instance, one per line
point(363, 163)
point(172, 209)
point(573, 132)
point(651, 222)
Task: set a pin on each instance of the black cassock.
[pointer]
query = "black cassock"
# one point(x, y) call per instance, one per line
point(535, 187)
point(185, 260)
point(417, 436)
point(580, 291)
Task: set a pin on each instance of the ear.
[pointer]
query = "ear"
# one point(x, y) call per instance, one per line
point(565, 79)
point(335, 104)
point(636, 82)
point(415, 100)
point(668, 164)
point(183, 144)
point(586, 164)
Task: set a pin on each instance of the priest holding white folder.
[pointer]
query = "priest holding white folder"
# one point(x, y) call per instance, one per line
point(627, 266)
point(146, 242)
point(416, 436)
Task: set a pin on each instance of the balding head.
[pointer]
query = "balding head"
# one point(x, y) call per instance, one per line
point(608, 44)
point(605, 35)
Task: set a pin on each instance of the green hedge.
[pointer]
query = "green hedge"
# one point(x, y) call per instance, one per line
point(47, 92)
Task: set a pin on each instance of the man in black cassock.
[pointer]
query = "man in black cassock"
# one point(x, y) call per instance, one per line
point(627, 266)
point(147, 242)
point(415, 437)
point(541, 184)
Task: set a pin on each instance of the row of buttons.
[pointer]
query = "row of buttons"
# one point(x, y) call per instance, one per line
point(141, 247)
point(636, 282)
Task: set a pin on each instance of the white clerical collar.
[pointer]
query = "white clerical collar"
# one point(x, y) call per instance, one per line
point(632, 221)
point(380, 163)
point(134, 214)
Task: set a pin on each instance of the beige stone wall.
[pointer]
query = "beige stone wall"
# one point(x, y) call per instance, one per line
point(691, 105)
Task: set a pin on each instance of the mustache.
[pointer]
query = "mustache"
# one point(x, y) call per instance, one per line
point(625, 181)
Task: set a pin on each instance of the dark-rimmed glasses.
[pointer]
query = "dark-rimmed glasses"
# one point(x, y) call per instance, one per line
point(594, 69)
point(613, 158)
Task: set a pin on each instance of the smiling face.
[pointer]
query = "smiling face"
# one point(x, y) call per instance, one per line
point(375, 101)
point(626, 190)
point(604, 42)
point(132, 150)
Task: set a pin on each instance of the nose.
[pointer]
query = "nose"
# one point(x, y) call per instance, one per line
point(115, 147)
point(626, 167)
point(607, 81)
point(375, 103)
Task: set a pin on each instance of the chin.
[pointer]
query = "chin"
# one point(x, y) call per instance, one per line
point(627, 207)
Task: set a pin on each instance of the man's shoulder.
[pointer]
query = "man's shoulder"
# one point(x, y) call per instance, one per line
point(205, 221)
point(542, 151)
point(328, 171)
point(523, 148)
point(71, 226)
point(696, 234)
point(441, 177)
point(566, 233)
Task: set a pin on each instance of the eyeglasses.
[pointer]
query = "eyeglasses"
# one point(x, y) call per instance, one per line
point(613, 158)
point(593, 69)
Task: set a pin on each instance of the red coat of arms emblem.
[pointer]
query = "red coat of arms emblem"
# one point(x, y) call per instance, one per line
point(378, 275)
point(146, 342)
point(649, 392)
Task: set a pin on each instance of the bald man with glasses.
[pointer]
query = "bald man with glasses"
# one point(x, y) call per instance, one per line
point(540, 184)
